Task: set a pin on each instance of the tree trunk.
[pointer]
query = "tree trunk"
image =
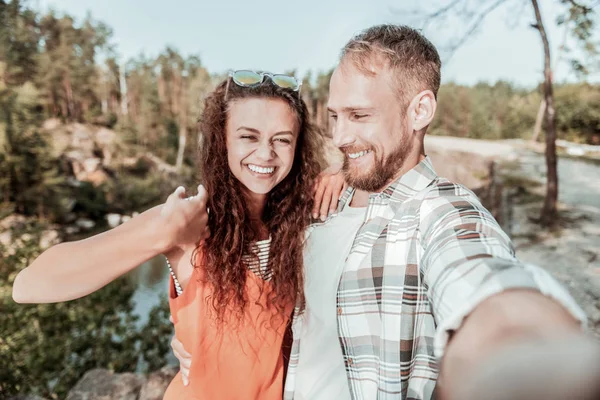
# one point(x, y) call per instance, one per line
point(538, 121)
point(123, 88)
point(70, 101)
point(182, 106)
point(181, 147)
point(542, 110)
point(549, 211)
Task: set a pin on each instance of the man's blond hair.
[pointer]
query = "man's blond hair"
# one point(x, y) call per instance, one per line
point(414, 61)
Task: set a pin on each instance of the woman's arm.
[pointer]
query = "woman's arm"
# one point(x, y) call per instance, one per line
point(329, 187)
point(71, 270)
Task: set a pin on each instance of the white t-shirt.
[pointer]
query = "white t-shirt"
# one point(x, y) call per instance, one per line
point(321, 373)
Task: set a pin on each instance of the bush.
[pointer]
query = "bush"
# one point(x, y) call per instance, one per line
point(45, 349)
point(128, 193)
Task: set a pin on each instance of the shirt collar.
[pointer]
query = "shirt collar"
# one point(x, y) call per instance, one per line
point(403, 188)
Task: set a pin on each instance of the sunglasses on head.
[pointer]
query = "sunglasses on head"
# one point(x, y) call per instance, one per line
point(247, 78)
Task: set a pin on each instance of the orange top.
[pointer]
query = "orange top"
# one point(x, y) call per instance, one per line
point(237, 360)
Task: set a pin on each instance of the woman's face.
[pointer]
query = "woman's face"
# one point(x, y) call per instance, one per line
point(261, 142)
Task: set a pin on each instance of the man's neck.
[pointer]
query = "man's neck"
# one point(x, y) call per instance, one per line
point(411, 162)
point(360, 198)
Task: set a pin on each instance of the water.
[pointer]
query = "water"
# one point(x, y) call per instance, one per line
point(152, 280)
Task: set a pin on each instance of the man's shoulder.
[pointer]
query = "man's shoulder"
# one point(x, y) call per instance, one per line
point(442, 190)
point(444, 198)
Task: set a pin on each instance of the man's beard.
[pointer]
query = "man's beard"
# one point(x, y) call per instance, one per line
point(384, 171)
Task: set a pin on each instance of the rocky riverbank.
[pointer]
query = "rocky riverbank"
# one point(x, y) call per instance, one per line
point(101, 384)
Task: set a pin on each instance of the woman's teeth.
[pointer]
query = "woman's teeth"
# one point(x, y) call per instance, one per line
point(359, 154)
point(261, 170)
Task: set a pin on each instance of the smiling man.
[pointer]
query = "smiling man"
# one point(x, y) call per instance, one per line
point(411, 286)
point(411, 267)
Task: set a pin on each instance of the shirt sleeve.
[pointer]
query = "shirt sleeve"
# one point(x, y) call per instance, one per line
point(467, 258)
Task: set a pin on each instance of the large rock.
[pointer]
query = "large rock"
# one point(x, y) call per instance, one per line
point(97, 177)
point(89, 149)
point(82, 137)
point(87, 168)
point(157, 383)
point(51, 124)
point(100, 384)
point(106, 139)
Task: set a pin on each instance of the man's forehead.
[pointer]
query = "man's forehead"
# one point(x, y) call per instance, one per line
point(350, 87)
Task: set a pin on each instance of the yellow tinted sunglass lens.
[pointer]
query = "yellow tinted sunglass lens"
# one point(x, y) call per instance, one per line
point(246, 78)
point(285, 81)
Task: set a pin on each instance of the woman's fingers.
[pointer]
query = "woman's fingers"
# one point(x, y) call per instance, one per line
point(339, 189)
point(328, 190)
point(325, 203)
point(319, 193)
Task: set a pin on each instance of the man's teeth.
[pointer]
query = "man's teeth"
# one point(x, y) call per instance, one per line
point(359, 154)
point(261, 170)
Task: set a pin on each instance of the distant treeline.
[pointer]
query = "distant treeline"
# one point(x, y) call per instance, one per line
point(54, 66)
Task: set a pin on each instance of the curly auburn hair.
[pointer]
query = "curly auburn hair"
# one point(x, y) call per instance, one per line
point(286, 214)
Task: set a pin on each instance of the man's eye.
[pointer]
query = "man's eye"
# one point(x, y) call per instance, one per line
point(360, 116)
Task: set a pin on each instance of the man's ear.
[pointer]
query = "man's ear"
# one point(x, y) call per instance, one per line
point(422, 109)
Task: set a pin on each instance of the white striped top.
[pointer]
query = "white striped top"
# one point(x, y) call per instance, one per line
point(261, 249)
point(259, 267)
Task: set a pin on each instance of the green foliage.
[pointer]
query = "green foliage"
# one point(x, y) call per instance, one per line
point(31, 175)
point(483, 111)
point(503, 111)
point(46, 348)
point(578, 112)
point(170, 141)
point(129, 193)
point(90, 201)
point(155, 337)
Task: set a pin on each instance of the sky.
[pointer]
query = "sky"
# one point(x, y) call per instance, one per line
point(306, 36)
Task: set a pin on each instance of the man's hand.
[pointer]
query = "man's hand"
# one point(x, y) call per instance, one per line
point(185, 358)
point(509, 318)
point(567, 367)
point(184, 220)
point(328, 189)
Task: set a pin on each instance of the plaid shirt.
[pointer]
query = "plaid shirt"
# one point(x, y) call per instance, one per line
point(426, 255)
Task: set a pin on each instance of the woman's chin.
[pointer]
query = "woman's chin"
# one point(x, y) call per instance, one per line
point(258, 188)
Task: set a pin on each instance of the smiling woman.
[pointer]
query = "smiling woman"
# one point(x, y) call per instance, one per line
point(230, 295)
point(258, 162)
point(261, 140)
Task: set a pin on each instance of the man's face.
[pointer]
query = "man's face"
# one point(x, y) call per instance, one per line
point(369, 126)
